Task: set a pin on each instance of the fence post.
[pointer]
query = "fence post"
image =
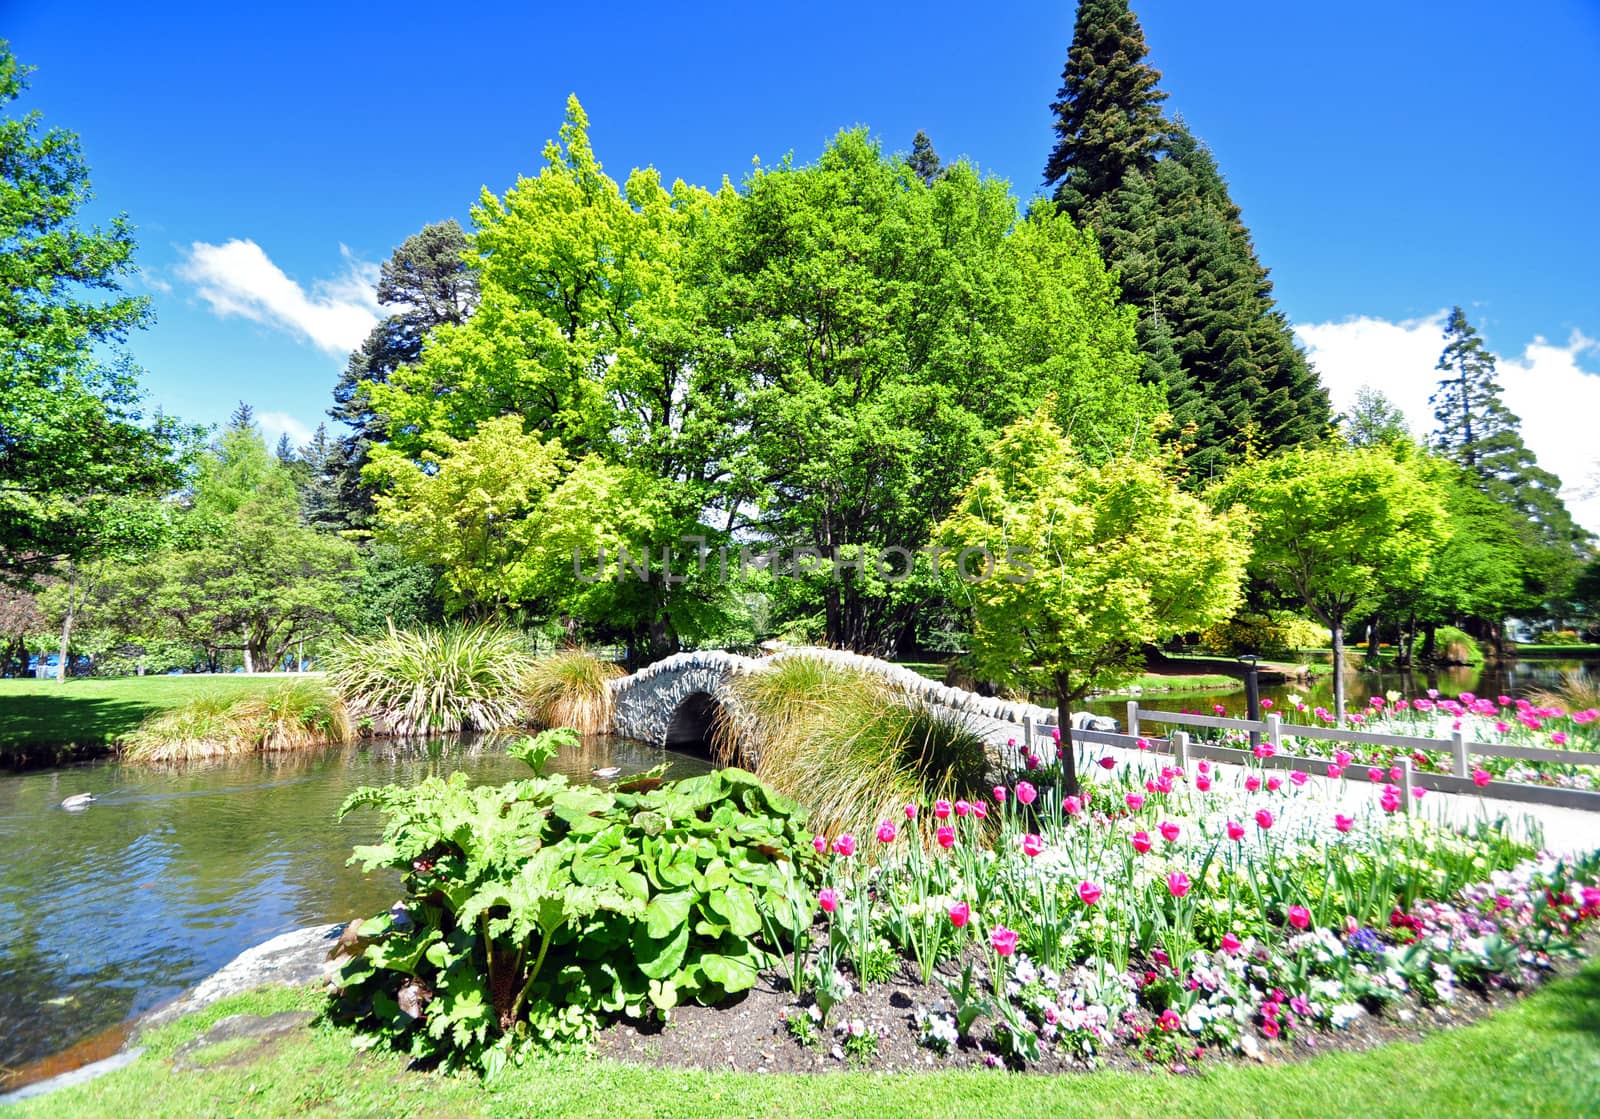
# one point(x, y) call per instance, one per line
point(1180, 749)
point(1405, 784)
point(1458, 753)
point(1027, 739)
point(1274, 731)
point(1133, 717)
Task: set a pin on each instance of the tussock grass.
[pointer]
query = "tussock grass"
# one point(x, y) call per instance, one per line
point(1578, 691)
point(851, 746)
point(569, 688)
point(433, 681)
point(292, 715)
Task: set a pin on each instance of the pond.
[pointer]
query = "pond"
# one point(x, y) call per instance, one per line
point(108, 912)
point(1515, 679)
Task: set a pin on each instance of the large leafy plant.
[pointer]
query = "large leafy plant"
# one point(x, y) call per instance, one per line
point(535, 907)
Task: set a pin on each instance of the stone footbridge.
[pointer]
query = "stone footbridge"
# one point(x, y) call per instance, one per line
point(675, 702)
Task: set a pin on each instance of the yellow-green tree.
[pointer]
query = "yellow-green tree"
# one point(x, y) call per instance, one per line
point(1337, 527)
point(1069, 567)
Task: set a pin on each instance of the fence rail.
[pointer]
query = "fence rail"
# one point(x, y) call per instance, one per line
point(1458, 781)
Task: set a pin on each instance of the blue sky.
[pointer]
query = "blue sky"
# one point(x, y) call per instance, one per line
point(1391, 158)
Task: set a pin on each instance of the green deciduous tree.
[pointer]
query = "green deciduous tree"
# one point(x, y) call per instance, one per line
point(1109, 558)
point(1373, 420)
point(1336, 527)
point(74, 444)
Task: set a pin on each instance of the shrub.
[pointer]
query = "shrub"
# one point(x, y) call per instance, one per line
point(1276, 634)
point(292, 715)
point(433, 681)
point(854, 746)
point(569, 688)
point(1561, 637)
point(1454, 646)
point(534, 907)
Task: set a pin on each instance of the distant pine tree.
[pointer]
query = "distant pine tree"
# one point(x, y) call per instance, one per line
point(427, 284)
point(243, 418)
point(923, 160)
point(1478, 431)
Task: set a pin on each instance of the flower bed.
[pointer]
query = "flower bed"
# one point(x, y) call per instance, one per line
point(1158, 916)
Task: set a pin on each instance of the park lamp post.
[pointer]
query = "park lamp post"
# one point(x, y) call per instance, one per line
point(1252, 693)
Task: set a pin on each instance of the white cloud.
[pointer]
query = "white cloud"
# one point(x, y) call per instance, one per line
point(274, 424)
point(238, 278)
point(1556, 399)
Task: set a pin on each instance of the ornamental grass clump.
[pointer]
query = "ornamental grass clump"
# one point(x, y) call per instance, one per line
point(292, 715)
point(433, 681)
point(571, 688)
point(853, 745)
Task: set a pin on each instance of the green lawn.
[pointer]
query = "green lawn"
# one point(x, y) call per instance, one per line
point(1560, 650)
point(43, 721)
point(1537, 1060)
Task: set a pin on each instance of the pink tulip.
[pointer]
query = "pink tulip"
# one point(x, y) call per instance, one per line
point(1299, 916)
point(1072, 806)
point(1135, 801)
point(1032, 845)
point(820, 842)
point(1141, 842)
point(828, 898)
point(1299, 777)
point(1142, 743)
point(1343, 823)
point(1089, 892)
point(962, 808)
point(1394, 771)
point(1252, 783)
point(1003, 940)
point(941, 809)
point(1202, 783)
point(946, 837)
point(1274, 784)
point(845, 845)
point(1342, 758)
point(1169, 831)
point(911, 812)
point(1235, 830)
point(1374, 774)
point(886, 832)
point(1026, 793)
point(1481, 777)
point(999, 792)
point(1178, 884)
point(1231, 944)
point(980, 810)
point(1335, 771)
point(1559, 738)
point(960, 914)
point(1108, 762)
point(1263, 819)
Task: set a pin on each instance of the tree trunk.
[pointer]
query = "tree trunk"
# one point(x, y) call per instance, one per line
point(1337, 630)
point(1430, 636)
point(1068, 756)
point(66, 627)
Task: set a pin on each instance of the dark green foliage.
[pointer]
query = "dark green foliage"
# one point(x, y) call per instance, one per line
point(1477, 431)
point(1209, 327)
point(534, 908)
point(923, 160)
point(74, 446)
point(427, 284)
point(1108, 116)
point(396, 589)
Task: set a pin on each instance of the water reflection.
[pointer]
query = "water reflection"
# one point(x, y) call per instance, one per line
point(174, 870)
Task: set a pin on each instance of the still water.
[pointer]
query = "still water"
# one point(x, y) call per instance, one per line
point(174, 870)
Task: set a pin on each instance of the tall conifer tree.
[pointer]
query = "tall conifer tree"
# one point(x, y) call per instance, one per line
point(1154, 196)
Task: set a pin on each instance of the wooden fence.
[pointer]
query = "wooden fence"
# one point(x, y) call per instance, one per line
point(1271, 729)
